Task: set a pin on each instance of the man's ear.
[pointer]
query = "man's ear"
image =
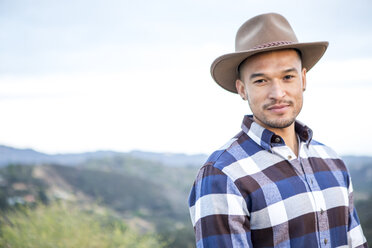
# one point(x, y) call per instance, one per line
point(240, 87)
point(303, 79)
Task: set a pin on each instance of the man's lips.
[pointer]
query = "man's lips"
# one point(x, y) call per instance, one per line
point(278, 108)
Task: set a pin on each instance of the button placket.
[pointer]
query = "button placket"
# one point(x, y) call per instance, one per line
point(320, 205)
point(322, 219)
point(309, 176)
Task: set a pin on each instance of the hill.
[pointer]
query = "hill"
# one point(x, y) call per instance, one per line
point(10, 155)
point(147, 195)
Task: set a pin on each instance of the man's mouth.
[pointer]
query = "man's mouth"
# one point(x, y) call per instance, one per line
point(278, 108)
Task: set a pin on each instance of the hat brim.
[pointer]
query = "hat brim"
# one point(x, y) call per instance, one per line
point(224, 68)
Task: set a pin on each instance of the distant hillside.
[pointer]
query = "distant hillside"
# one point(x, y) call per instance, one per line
point(174, 159)
point(10, 155)
point(146, 194)
point(361, 173)
point(357, 162)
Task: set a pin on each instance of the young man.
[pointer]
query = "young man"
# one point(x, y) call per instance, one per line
point(272, 185)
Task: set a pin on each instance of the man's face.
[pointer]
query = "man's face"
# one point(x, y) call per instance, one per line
point(273, 83)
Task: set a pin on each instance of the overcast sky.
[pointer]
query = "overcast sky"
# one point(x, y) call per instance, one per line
point(83, 75)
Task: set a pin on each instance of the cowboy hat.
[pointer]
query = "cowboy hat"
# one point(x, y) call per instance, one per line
point(262, 33)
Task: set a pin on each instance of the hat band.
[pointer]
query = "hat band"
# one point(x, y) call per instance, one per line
point(271, 44)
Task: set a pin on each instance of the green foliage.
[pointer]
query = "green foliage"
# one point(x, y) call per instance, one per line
point(132, 187)
point(149, 170)
point(120, 188)
point(159, 182)
point(12, 174)
point(362, 178)
point(361, 173)
point(20, 173)
point(365, 215)
point(121, 192)
point(173, 183)
point(59, 225)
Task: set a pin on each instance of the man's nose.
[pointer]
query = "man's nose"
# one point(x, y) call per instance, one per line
point(277, 90)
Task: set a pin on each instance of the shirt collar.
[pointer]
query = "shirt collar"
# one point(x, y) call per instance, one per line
point(267, 139)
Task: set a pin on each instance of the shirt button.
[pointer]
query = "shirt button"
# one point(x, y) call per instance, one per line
point(289, 157)
point(277, 140)
point(321, 211)
point(325, 241)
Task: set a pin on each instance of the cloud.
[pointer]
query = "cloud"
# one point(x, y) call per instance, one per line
point(82, 75)
point(350, 73)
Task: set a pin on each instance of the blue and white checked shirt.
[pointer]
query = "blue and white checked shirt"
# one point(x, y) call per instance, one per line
point(255, 192)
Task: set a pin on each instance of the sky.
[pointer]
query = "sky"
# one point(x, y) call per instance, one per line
point(83, 75)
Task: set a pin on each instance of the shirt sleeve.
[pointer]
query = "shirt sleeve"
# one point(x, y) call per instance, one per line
point(355, 233)
point(218, 211)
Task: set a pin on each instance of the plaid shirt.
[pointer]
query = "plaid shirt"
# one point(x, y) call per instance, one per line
point(255, 192)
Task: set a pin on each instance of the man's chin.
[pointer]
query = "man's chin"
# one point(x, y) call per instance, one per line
point(277, 123)
point(280, 123)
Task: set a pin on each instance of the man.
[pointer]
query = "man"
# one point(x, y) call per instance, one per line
point(272, 185)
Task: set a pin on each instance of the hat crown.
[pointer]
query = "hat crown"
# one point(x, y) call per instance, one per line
point(264, 30)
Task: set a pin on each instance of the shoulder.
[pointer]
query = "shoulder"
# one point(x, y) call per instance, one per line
point(230, 152)
point(325, 158)
point(320, 153)
point(211, 177)
point(319, 149)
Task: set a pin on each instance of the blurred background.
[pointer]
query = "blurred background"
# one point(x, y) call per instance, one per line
point(108, 110)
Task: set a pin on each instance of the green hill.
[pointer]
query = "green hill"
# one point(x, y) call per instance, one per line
point(147, 195)
point(68, 226)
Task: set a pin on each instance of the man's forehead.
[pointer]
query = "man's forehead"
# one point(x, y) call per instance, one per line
point(276, 57)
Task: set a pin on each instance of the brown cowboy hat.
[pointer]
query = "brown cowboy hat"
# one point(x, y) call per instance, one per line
point(259, 34)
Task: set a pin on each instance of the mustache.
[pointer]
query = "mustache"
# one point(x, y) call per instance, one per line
point(272, 103)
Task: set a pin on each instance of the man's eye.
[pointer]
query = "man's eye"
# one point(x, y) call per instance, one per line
point(260, 81)
point(288, 77)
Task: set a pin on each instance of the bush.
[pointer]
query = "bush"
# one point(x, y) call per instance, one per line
point(66, 226)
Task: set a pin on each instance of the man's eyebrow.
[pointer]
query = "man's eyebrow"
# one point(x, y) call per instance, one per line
point(290, 70)
point(254, 75)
